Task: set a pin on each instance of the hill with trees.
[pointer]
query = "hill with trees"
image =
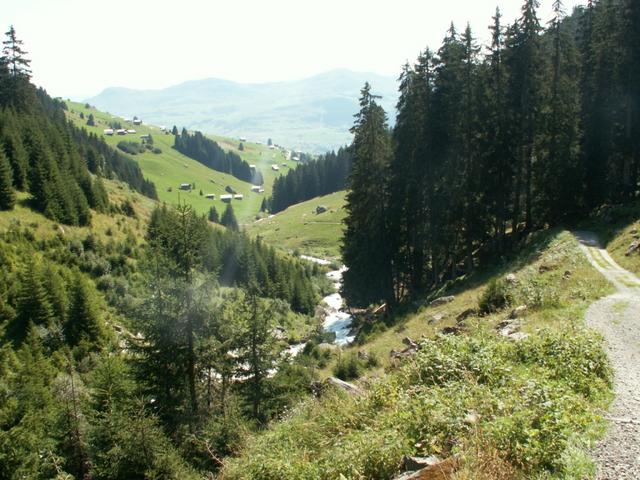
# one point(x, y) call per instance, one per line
point(314, 178)
point(209, 153)
point(486, 148)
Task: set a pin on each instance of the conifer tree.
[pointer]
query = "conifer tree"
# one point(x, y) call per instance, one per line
point(365, 247)
point(33, 305)
point(229, 219)
point(91, 121)
point(7, 194)
point(213, 215)
point(84, 321)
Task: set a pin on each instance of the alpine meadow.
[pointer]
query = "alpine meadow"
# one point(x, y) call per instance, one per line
point(274, 273)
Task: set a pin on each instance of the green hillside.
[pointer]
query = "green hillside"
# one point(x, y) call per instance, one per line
point(170, 168)
point(517, 406)
point(300, 228)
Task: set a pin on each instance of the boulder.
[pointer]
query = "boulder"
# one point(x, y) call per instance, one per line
point(567, 275)
point(511, 279)
point(544, 268)
point(634, 247)
point(455, 330)
point(411, 464)
point(518, 312)
point(469, 312)
point(436, 318)
point(409, 342)
point(320, 209)
point(443, 470)
point(442, 301)
point(342, 385)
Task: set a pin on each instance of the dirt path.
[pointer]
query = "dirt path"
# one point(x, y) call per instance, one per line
point(617, 317)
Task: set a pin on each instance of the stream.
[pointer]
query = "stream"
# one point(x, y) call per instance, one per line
point(336, 321)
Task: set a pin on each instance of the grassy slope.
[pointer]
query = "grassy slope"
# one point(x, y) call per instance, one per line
point(171, 168)
point(299, 228)
point(557, 303)
point(104, 226)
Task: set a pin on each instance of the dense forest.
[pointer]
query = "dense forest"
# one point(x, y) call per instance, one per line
point(45, 155)
point(314, 178)
point(126, 354)
point(209, 153)
point(536, 130)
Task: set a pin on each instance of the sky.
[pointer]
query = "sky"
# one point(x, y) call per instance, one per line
point(80, 47)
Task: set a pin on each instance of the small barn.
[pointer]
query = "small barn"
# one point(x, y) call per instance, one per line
point(137, 121)
point(238, 196)
point(255, 188)
point(275, 167)
point(243, 139)
point(121, 131)
point(226, 197)
point(185, 186)
point(210, 196)
point(131, 132)
point(108, 131)
point(252, 167)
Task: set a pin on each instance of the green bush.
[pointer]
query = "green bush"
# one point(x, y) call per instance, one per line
point(496, 297)
point(132, 148)
point(348, 367)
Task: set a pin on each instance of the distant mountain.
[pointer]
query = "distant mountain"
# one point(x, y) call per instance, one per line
point(313, 114)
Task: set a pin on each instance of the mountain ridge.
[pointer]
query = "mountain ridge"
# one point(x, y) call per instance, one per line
point(312, 114)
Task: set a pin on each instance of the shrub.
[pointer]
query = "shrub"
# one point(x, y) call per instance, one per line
point(348, 367)
point(132, 148)
point(496, 297)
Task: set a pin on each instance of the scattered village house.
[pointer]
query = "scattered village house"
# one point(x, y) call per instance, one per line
point(185, 186)
point(226, 197)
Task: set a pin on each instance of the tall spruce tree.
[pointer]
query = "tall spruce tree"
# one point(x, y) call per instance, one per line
point(7, 193)
point(365, 248)
point(229, 219)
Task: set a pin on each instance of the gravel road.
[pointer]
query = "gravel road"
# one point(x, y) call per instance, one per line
point(617, 318)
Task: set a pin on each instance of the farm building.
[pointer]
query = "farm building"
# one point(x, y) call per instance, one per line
point(131, 131)
point(238, 196)
point(108, 131)
point(137, 121)
point(255, 188)
point(243, 139)
point(275, 167)
point(226, 197)
point(185, 186)
point(252, 167)
point(210, 196)
point(295, 159)
point(144, 137)
point(121, 131)
point(261, 190)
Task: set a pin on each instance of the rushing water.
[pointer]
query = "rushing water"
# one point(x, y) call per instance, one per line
point(336, 321)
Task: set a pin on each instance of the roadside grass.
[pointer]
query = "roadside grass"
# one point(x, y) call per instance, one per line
point(170, 168)
point(299, 228)
point(507, 409)
point(618, 226)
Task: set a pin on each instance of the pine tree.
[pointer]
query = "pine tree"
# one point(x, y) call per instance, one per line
point(229, 219)
point(365, 247)
point(84, 321)
point(15, 89)
point(213, 215)
point(13, 56)
point(33, 305)
point(91, 121)
point(7, 194)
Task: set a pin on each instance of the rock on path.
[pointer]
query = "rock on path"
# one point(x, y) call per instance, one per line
point(617, 318)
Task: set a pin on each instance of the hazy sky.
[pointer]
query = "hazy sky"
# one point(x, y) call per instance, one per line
point(79, 47)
